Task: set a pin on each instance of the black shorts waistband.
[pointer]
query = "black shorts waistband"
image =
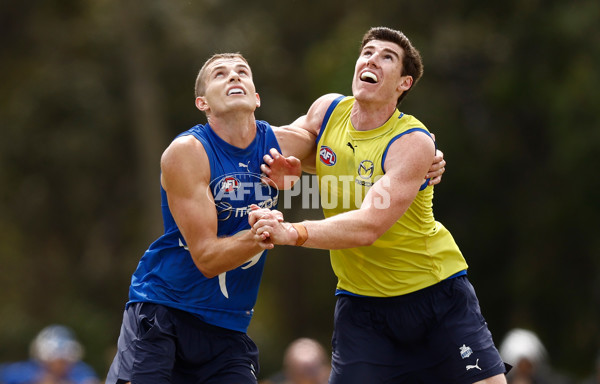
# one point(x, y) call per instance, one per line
point(416, 295)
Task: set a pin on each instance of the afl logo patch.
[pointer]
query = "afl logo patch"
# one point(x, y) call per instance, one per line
point(233, 193)
point(229, 184)
point(327, 156)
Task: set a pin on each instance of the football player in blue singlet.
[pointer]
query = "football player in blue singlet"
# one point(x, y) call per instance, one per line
point(192, 295)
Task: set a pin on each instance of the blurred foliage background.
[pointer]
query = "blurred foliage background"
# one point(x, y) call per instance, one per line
point(92, 91)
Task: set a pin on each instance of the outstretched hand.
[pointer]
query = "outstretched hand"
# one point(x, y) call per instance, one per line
point(279, 171)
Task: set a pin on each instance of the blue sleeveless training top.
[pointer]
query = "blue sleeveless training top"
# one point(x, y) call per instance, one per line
point(166, 273)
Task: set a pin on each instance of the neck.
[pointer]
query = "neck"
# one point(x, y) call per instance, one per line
point(236, 129)
point(368, 116)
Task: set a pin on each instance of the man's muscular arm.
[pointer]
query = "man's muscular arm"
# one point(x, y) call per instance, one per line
point(185, 177)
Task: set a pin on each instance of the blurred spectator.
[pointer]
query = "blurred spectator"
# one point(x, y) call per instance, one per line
point(595, 378)
point(526, 353)
point(55, 359)
point(304, 362)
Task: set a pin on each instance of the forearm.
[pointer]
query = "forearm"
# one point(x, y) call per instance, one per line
point(347, 230)
point(362, 227)
point(222, 254)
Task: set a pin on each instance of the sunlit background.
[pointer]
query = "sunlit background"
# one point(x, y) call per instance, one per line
point(92, 91)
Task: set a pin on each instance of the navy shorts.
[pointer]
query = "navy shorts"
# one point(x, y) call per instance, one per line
point(159, 344)
point(435, 335)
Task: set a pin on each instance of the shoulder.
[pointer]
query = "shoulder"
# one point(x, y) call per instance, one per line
point(325, 102)
point(411, 142)
point(410, 131)
point(320, 110)
point(412, 147)
point(264, 128)
point(198, 130)
point(263, 125)
point(183, 145)
point(184, 152)
point(411, 122)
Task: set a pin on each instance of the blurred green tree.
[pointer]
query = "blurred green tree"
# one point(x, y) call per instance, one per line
point(92, 91)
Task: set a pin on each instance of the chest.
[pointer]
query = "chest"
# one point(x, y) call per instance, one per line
point(345, 156)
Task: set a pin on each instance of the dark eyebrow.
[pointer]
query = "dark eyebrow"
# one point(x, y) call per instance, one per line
point(388, 50)
point(394, 53)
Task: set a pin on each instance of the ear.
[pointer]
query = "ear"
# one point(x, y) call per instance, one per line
point(201, 103)
point(405, 83)
point(257, 100)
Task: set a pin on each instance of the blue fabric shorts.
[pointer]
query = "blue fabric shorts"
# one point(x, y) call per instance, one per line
point(435, 335)
point(159, 344)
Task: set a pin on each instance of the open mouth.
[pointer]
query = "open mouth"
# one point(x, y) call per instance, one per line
point(236, 91)
point(369, 77)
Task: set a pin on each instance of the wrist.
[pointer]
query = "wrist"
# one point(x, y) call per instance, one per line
point(301, 232)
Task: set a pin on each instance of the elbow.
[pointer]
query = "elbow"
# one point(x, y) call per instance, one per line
point(368, 237)
point(208, 273)
point(204, 266)
point(370, 227)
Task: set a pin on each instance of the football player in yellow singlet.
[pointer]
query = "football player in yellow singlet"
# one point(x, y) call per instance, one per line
point(405, 312)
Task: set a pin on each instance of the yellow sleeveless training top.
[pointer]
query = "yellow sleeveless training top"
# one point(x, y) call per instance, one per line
point(417, 251)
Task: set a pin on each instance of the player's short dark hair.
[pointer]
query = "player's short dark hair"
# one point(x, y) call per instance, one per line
point(412, 64)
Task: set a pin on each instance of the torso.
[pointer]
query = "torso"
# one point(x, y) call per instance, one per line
point(416, 251)
point(167, 274)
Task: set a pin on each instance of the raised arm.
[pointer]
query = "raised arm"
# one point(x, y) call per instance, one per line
point(298, 146)
point(185, 177)
point(408, 160)
point(298, 139)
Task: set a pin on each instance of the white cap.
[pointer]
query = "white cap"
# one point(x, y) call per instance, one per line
point(522, 344)
point(56, 342)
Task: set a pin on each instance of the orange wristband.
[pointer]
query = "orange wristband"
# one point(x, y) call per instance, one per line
point(302, 233)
